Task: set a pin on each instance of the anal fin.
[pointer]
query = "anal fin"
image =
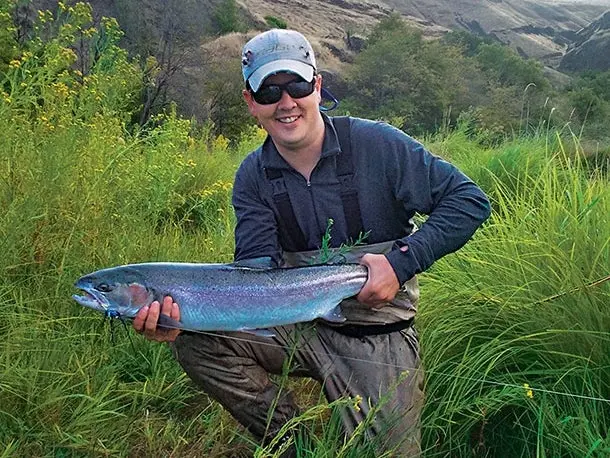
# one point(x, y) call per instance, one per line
point(259, 332)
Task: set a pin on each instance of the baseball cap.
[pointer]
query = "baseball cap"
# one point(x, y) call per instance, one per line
point(276, 51)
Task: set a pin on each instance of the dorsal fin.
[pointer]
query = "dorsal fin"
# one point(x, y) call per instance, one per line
point(264, 262)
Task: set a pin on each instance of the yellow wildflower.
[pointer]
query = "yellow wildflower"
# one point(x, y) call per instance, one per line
point(528, 391)
point(68, 53)
point(357, 401)
point(89, 32)
point(61, 89)
point(220, 143)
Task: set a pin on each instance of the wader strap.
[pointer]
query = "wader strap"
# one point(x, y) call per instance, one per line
point(345, 175)
point(288, 220)
point(349, 193)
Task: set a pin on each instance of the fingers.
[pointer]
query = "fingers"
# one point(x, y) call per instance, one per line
point(382, 284)
point(139, 319)
point(166, 308)
point(150, 325)
point(369, 297)
point(171, 309)
point(175, 313)
point(147, 318)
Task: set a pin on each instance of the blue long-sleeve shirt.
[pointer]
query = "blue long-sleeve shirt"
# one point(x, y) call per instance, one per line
point(395, 177)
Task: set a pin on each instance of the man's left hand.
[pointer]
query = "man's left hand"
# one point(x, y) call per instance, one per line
point(382, 284)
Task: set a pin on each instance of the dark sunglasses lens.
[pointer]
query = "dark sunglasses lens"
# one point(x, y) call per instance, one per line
point(267, 95)
point(299, 89)
point(273, 93)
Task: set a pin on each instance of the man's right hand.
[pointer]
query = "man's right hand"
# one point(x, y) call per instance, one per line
point(145, 321)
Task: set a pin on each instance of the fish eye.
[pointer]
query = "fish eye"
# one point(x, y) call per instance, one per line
point(103, 287)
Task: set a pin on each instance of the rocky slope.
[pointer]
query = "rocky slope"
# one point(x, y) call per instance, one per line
point(591, 48)
point(541, 29)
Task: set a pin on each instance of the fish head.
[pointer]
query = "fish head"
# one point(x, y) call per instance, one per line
point(116, 292)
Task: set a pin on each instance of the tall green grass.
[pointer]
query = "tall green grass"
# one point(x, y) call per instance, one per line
point(514, 327)
point(81, 188)
point(526, 302)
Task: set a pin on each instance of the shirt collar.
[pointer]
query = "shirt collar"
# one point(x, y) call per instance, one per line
point(271, 158)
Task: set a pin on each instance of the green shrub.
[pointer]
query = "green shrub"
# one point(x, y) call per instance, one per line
point(276, 22)
point(401, 75)
point(227, 17)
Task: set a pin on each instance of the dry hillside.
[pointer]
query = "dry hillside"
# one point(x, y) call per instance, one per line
point(541, 29)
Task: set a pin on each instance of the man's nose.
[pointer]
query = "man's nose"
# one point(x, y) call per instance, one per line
point(286, 101)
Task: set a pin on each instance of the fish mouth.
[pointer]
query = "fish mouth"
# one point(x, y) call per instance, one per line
point(91, 300)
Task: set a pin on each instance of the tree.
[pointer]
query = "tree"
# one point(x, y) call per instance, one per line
point(400, 75)
point(509, 68)
point(222, 88)
point(469, 43)
point(227, 17)
point(162, 36)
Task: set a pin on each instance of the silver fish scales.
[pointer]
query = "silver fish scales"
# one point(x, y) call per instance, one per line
point(245, 296)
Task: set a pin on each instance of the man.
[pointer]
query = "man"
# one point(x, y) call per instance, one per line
point(368, 177)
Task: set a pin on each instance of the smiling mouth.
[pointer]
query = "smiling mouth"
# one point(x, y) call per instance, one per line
point(288, 120)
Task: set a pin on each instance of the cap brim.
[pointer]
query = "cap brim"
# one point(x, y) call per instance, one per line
point(305, 71)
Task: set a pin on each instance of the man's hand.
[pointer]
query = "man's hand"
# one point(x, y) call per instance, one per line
point(145, 321)
point(382, 285)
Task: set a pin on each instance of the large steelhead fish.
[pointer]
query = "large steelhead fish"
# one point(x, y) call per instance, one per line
point(243, 296)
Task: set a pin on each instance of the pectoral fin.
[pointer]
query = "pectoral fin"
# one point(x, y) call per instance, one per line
point(167, 322)
point(334, 316)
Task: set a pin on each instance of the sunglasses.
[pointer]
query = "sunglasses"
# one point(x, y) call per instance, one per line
point(272, 93)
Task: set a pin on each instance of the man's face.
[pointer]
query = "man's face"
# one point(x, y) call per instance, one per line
point(292, 123)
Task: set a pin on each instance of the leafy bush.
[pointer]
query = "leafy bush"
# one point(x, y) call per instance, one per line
point(587, 104)
point(399, 74)
point(508, 67)
point(227, 17)
point(275, 22)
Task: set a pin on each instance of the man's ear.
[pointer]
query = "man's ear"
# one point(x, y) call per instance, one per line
point(318, 87)
point(247, 95)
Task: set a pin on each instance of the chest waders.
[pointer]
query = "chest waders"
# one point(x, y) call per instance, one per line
point(361, 319)
point(364, 358)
